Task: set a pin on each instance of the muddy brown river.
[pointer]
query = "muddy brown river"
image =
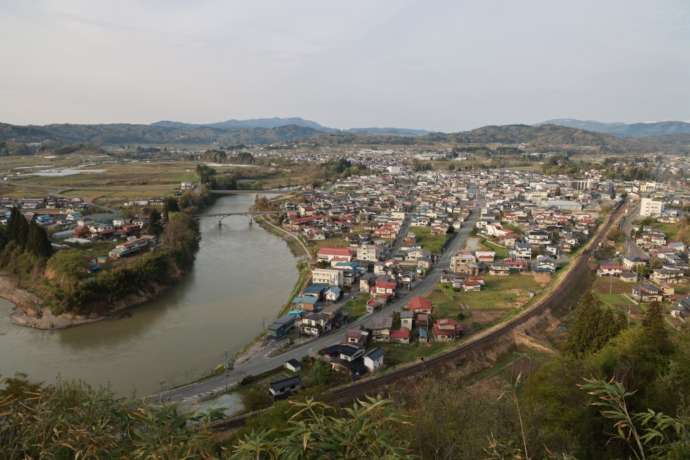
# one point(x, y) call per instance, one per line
point(241, 277)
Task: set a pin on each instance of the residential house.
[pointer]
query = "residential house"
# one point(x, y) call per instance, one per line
point(485, 256)
point(647, 293)
point(305, 302)
point(385, 287)
point(381, 329)
point(358, 337)
point(407, 319)
point(401, 335)
point(610, 269)
point(281, 327)
point(373, 359)
point(420, 304)
point(285, 387)
point(446, 330)
point(315, 324)
point(333, 294)
point(293, 365)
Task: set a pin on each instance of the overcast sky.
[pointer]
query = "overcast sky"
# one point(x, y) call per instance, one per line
point(435, 64)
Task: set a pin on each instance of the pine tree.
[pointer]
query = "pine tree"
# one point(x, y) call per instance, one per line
point(655, 328)
point(592, 327)
point(38, 242)
point(170, 205)
point(154, 226)
point(17, 228)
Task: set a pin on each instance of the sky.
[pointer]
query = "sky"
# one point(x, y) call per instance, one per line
point(444, 65)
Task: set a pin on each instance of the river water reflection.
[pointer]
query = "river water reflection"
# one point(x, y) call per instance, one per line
point(241, 277)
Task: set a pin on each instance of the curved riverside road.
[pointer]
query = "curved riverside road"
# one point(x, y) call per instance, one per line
point(262, 364)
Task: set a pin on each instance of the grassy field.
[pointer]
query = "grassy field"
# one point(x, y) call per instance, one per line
point(500, 251)
point(328, 243)
point(499, 293)
point(357, 306)
point(116, 180)
point(614, 293)
point(113, 180)
point(396, 353)
point(432, 243)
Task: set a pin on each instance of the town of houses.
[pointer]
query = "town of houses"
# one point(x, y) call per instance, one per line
point(371, 237)
point(527, 223)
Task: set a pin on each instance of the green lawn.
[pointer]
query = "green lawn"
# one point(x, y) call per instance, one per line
point(428, 241)
point(500, 251)
point(670, 230)
point(500, 292)
point(397, 353)
point(356, 307)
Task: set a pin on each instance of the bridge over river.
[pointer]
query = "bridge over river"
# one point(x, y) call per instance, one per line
point(249, 213)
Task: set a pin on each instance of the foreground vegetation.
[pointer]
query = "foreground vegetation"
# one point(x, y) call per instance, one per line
point(615, 390)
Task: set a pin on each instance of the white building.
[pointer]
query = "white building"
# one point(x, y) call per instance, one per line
point(650, 208)
point(368, 252)
point(329, 276)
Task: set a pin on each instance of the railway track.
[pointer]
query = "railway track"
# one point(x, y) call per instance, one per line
point(565, 289)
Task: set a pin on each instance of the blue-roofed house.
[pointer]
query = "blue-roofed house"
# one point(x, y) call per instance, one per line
point(305, 302)
point(333, 294)
point(373, 359)
point(281, 327)
point(317, 290)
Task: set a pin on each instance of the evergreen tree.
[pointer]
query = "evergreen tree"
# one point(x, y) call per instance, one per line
point(655, 328)
point(592, 327)
point(17, 228)
point(170, 205)
point(38, 242)
point(154, 226)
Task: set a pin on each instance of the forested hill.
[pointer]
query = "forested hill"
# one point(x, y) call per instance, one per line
point(538, 137)
point(547, 135)
point(650, 129)
point(152, 134)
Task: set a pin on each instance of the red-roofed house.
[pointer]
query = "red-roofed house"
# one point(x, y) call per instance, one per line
point(446, 330)
point(337, 254)
point(610, 269)
point(385, 286)
point(401, 335)
point(420, 305)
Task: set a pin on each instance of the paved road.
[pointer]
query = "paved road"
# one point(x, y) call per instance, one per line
point(631, 248)
point(262, 364)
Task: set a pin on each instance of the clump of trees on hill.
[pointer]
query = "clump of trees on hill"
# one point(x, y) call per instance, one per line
point(24, 246)
point(27, 236)
point(73, 291)
point(342, 167)
point(210, 178)
point(63, 280)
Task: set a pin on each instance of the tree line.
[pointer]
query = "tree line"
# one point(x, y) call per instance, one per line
point(27, 236)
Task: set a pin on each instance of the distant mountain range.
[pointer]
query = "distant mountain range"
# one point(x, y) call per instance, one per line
point(669, 136)
point(275, 122)
point(651, 129)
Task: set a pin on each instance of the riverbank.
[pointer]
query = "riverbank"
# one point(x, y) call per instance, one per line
point(29, 311)
point(260, 345)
